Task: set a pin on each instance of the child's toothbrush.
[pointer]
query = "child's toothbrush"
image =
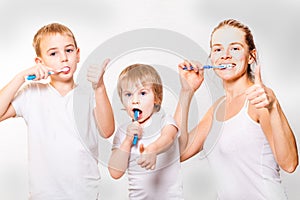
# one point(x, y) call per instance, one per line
point(135, 118)
point(65, 69)
point(224, 66)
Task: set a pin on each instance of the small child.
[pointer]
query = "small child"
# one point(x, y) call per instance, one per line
point(153, 164)
point(60, 165)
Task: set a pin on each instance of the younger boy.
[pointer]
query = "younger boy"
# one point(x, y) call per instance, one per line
point(153, 163)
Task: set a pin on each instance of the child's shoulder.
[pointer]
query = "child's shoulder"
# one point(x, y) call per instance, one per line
point(34, 86)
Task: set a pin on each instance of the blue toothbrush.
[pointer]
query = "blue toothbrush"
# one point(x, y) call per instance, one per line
point(136, 116)
point(31, 77)
point(65, 69)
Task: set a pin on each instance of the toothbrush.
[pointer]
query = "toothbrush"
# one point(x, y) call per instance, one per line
point(136, 116)
point(65, 69)
point(212, 67)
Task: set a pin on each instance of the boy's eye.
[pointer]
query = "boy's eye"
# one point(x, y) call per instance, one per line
point(143, 93)
point(69, 50)
point(127, 94)
point(53, 54)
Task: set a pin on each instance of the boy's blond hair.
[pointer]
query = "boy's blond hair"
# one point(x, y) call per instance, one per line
point(50, 29)
point(140, 75)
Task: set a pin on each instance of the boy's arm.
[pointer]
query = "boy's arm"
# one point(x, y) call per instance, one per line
point(119, 158)
point(8, 92)
point(162, 144)
point(103, 111)
point(118, 162)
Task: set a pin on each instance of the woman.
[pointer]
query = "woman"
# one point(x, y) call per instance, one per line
point(254, 137)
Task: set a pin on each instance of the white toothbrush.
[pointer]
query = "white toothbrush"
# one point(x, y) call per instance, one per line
point(224, 66)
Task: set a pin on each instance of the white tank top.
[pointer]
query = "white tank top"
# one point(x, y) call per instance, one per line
point(242, 159)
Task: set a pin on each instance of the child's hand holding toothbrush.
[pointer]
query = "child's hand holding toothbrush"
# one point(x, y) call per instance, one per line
point(95, 74)
point(134, 129)
point(37, 72)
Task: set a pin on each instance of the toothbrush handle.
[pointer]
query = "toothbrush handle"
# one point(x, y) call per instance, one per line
point(135, 139)
point(31, 77)
point(208, 67)
point(204, 67)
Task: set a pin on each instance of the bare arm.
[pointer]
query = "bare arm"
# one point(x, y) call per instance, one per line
point(8, 92)
point(274, 124)
point(149, 154)
point(119, 159)
point(190, 81)
point(103, 111)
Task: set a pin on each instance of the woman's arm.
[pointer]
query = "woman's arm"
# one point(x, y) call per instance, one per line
point(274, 124)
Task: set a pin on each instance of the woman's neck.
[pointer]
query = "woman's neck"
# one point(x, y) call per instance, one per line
point(236, 88)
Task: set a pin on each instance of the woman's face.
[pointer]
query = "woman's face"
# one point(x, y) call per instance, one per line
point(229, 47)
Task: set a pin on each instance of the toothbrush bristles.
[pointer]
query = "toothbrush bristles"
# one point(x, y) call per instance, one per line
point(224, 66)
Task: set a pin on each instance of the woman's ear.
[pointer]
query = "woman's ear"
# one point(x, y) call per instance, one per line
point(252, 56)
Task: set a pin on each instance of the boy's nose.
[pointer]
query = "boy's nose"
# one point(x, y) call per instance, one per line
point(135, 100)
point(64, 57)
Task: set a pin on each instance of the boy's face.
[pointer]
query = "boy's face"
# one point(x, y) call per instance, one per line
point(140, 98)
point(59, 52)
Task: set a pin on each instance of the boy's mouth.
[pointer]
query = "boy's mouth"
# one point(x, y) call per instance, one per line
point(136, 113)
point(65, 70)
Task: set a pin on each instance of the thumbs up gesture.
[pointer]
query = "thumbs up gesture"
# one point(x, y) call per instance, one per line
point(95, 73)
point(258, 94)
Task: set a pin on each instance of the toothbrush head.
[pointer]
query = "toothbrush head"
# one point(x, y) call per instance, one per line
point(65, 70)
point(225, 66)
point(136, 113)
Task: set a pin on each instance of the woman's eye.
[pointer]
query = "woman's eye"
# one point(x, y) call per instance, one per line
point(217, 49)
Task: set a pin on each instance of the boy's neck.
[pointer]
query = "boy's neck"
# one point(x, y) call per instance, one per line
point(63, 87)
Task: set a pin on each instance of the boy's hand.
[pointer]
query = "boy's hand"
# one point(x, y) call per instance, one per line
point(147, 159)
point(132, 129)
point(95, 74)
point(40, 72)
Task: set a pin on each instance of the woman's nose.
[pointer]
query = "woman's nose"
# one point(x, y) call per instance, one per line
point(226, 54)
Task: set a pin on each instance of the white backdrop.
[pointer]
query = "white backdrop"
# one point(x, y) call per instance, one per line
point(276, 29)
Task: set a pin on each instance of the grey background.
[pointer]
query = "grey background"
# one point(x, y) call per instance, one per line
point(276, 29)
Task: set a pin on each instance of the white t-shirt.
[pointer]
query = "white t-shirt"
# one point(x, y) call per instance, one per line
point(165, 182)
point(61, 165)
point(242, 160)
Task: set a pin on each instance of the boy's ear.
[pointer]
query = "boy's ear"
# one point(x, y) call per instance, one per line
point(38, 60)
